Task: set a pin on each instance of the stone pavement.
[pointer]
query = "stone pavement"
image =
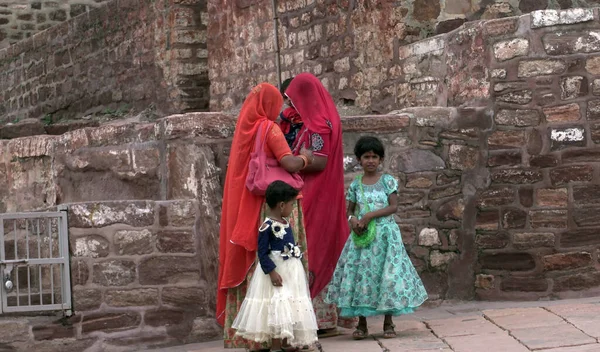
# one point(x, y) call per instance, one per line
point(553, 326)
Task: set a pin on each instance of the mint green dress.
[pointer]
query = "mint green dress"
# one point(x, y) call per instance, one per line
point(379, 279)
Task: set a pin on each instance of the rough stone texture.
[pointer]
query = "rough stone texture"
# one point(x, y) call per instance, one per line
point(126, 55)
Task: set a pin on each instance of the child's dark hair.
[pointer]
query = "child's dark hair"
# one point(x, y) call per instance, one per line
point(279, 191)
point(369, 144)
point(284, 85)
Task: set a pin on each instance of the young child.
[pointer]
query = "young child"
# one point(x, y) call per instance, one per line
point(374, 275)
point(277, 306)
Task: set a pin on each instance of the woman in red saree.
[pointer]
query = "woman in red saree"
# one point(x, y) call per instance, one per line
point(323, 200)
point(241, 212)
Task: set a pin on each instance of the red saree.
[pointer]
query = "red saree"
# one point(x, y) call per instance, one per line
point(324, 203)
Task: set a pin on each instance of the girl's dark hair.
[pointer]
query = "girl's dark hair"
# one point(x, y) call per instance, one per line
point(284, 85)
point(369, 144)
point(278, 192)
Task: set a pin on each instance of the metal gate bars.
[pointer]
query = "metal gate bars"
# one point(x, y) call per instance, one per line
point(34, 262)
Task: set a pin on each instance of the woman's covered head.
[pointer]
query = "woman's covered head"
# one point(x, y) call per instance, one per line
point(369, 144)
point(264, 100)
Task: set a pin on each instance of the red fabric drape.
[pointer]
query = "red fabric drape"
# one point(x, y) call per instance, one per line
point(241, 209)
point(324, 202)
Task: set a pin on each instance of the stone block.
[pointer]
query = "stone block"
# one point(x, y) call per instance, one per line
point(134, 242)
point(176, 242)
point(86, 300)
point(509, 49)
point(502, 26)
point(507, 261)
point(205, 329)
point(110, 322)
point(505, 158)
point(162, 270)
point(586, 216)
point(514, 218)
point(463, 157)
point(180, 213)
point(596, 87)
point(520, 97)
point(133, 213)
point(552, 197)
point(496, 196)
point(492, 240)
point(566, 137)
point(485, 282)
point(563, 113)
point(577, 282)
point(53, 331)
point(548, 219)
point(524, 284)
point(441, 259)
point(543, 161)
point(443, 192)
point(526, 196)
point(164, 317)
point(416, 160)
point(516, 176)
point(193, 177)
point(583, 195)
point(579, 237)
point(80, 272)
point(14, 330)
point(132, 298)
point(93, 246)
point(418, 181)
point(429, 237)
point(566, 43)
point(573, 87)
point(190, 297)
point(24, 128)
point(547, 18)
point(517, 117)
point(487, 220)
point(566, 261)
point(506, 139)
point(451, 210)
point(527, 240)
point(593, 109)
point(114, 272)
point(566, 174)
point(541, 67)
point(592, 65)
point(586, 155)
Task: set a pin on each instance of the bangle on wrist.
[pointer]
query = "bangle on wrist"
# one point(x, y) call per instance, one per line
point(304, 160)
point(350, 217)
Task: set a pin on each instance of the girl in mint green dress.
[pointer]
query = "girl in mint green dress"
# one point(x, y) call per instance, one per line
point(374, 275)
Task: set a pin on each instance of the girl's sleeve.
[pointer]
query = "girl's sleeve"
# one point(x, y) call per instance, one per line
point(351, 196)
point(266, 263)
point(391, 184)
point(276, 143)
point(320, 144)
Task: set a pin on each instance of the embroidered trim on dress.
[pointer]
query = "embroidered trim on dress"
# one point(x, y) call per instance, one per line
point(317, 142)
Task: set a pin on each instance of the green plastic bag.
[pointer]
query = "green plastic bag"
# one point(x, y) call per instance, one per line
point(364, 240)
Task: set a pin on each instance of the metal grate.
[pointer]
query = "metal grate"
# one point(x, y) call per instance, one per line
point(34, 262)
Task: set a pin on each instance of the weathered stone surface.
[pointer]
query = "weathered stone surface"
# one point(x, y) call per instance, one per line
point(409, 233)
point(136, 213)
point(132, 298)
point(567, 137)
point(509, 49)
point(561, 43)
point(596, 87)
point(516, 176)
point(80, 272)
point(429, 237)
point(586, 216)
point(593, 109)
point(94, 246)
point(499, 73)
point(562, 113)
point(520, 97)
point(496, 196)
point(527, 6)
point(527, 240)
point(566, 261)
point(526, 196)
point(463, 157)
point(442, 192)
point(580, 155)
point(573, 87)
point(575, 173)
point(193, 172)
point(592, 65)
point(417, 181)
point(579, 237)
point(504, 158)
point(181, 213)
point(53, 331)
point(485, 282)
point(514, 218)
point(520, 118)
point(494, 240)
point(506, 139)
point(14, 330)
point(487, 220)
point(440, 259)
point(134, 242)
point(191, 297)
point(451, 210)
point(24, 128)
point(532, 68)
point(114, 272)
point(577, 282)
point(110, 322)
point(417, 160)
point(507, 261)
point(500, 26)
point(543, 161)
point(546, 18)
point(524, 284)
point(206, 329)
point(85, 300)
point(549, 197)
point(586, 194)
point(548, 219)
point(377, 123)
point(176, 242)
point(168, 270)
point(164, 317)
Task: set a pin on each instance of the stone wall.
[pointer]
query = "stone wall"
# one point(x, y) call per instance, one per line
point(124, 54)
point(359, 48)
point(22, 19)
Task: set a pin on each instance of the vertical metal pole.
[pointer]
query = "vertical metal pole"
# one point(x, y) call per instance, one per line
point(277, 53)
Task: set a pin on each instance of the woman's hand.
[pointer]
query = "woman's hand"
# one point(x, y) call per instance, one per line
point(365, 220)
point(354, 225)
point(276, 279)
point(307, 153)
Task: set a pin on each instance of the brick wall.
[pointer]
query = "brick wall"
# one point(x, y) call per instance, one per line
point(133, 53)
point(22, 19)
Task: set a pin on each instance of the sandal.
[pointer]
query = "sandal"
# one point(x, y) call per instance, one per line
point(388, 331)
point(360, 334)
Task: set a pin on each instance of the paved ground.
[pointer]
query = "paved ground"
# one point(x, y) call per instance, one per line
point(556, 326)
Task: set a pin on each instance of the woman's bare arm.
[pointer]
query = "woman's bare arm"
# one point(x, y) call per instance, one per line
point(318, 164)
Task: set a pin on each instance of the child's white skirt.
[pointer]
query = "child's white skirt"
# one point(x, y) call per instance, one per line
point(278, 312)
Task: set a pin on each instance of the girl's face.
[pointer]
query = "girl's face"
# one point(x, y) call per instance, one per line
point(370, 161)
point(286, 208)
